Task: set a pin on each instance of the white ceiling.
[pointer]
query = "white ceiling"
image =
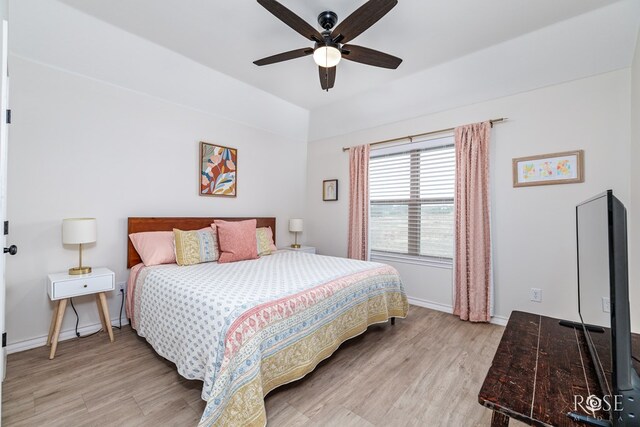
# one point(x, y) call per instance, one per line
point(228, 36)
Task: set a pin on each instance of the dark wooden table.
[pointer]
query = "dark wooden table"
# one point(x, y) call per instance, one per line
point(538, 369)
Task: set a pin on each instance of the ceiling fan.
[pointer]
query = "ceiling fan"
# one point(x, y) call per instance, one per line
point(330, 45)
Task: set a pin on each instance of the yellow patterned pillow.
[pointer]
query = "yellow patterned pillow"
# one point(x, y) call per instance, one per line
point(264, 237)
point(194, 247)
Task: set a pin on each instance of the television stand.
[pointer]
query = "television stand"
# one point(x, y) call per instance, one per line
point(541, 373)
point(578, 325)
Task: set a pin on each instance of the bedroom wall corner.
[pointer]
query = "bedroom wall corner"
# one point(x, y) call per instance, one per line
point(634, 211)
point(534, 227)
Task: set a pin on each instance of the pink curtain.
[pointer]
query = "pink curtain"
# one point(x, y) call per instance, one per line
point(472, 263)
point(358, 246)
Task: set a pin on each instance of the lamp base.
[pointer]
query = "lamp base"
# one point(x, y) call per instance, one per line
point(79, 270)
point(296, 246)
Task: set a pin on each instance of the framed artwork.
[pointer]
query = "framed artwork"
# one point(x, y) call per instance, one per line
point(330, 190)
point(218, 170)
point(547, 169)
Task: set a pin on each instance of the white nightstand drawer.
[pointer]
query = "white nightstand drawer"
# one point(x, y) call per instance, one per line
point(67, 286)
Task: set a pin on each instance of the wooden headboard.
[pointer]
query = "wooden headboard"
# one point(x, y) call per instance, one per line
point(138, 224)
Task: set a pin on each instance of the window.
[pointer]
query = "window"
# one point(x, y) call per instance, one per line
point(411, 194)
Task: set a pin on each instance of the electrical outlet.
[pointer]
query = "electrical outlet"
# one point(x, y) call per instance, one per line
point(536, 294)
point(606, 305)
point(122, 287)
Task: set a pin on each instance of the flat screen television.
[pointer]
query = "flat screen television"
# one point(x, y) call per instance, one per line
point(603, 304)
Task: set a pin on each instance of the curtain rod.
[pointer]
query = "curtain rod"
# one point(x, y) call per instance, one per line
point(411, 137)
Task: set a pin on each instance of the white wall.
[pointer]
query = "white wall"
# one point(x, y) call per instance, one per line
point(634, 211)
point(589, 44)
point(533, 228)
point(55, 34)
point(83, 146)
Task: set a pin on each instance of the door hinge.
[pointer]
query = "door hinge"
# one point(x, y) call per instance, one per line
point(9, 116)
point(6, 228)
point(4, 339)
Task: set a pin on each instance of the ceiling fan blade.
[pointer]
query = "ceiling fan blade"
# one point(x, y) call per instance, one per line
point(291, 19)
point(364, 55)
point(285, 56)
point(364, 17)
point(327, 77)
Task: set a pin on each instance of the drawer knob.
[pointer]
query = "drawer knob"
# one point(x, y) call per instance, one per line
point(85, 285)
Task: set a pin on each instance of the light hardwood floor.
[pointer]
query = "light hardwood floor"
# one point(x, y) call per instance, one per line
point(424, 371)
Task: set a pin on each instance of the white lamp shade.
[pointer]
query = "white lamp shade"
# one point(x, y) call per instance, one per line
point(78, 230)
point(295, 225)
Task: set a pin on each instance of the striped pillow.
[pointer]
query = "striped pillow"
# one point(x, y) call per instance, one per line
point(264, 238)
point(195, 247)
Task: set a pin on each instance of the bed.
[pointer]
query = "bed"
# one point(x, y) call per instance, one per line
point(247, 327)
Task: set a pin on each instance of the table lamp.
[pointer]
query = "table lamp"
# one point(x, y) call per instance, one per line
point(76, 231)
point(295, 226)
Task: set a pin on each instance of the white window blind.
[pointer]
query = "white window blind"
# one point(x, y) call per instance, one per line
point(411, 195)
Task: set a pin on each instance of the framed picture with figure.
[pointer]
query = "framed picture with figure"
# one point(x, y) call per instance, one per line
point(330, 190)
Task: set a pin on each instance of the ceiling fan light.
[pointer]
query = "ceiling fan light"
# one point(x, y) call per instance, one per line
point(327, 56)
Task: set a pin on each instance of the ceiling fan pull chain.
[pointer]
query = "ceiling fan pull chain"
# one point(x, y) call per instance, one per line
point(326, 76)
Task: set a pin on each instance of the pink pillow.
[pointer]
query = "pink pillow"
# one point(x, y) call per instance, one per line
point(237, 240)
point(273, 245)
point(154, 247)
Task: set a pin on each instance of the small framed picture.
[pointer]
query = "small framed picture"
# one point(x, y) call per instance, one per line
point(546, 169)
point(330, 190)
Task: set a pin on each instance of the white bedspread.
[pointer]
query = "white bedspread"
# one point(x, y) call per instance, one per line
point(184, 312)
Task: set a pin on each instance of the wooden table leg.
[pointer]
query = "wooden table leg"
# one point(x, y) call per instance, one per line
point(62, 305)
point(105, 313)
point(499, 420)
point(53, 322)
point(101, 313)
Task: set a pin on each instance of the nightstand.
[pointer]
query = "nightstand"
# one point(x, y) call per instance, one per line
point(307, 249)
point(62, 286)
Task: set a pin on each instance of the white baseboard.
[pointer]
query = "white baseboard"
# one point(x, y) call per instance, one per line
point(496, 320)
point(64, 335)
point(499, 320)
point(430, 304)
